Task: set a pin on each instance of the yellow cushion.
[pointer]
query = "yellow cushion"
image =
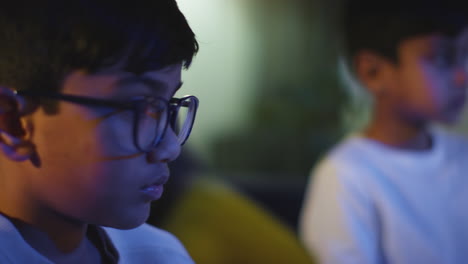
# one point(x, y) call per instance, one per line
point(219, 225)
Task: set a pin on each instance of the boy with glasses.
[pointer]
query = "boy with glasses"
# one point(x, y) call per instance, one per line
point(88, 124)
point(396, 191)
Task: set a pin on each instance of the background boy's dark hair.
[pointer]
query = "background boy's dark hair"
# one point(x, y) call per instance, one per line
point(42, 41)
point(380, 26)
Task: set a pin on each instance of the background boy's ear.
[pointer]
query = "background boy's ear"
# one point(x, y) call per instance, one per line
point(370, 70)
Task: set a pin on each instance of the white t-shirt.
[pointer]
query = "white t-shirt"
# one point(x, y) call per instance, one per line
point(144, 244)
point(370, 203)
point(147, 244)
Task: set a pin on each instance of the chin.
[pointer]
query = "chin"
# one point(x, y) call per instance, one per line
point(128, 220)
point(126, 226)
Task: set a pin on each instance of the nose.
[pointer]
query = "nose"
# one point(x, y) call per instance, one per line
point(167, 150)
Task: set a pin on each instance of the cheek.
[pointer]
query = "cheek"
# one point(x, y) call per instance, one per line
point(425, 87)
point(115, 135)
point(88, 193)
point(110, 197)
point(75, 181)
point(434, 84)
point(67, 152)
point(65, 139)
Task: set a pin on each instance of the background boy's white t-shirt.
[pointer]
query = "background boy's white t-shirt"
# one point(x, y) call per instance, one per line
point(369, 203)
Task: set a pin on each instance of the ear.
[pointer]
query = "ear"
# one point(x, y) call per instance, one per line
point(15, 129)
point(371, 70)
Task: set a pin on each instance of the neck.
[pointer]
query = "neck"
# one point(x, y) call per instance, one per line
point(51, 234)
point(58, 241)
point(398, 132)
point(57, 237)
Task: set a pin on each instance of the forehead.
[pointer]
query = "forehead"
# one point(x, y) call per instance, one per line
point(426, 43)
point(110, 82)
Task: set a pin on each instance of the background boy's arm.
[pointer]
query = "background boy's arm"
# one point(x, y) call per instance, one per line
point(339, 223)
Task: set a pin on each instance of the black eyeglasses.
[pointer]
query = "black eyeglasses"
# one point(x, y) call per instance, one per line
point(152, 115)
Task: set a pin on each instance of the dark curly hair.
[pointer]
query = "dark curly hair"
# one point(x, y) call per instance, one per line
point(380, 26)
point(42, 41)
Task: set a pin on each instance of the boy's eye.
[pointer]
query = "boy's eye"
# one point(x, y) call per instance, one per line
point(153, 111)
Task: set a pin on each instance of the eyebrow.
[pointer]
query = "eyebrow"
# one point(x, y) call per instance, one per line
point(153, 84)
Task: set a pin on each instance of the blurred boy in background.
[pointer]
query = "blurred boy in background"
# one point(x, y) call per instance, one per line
point(396, 191)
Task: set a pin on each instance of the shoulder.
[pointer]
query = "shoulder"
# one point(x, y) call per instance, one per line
point(145, 243)
point(352, 167)
point(13, 248)
point(448, 137)
point(349, 155)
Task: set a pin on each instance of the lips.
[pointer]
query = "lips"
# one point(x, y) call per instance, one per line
point(159, 182)
point(153, 191)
